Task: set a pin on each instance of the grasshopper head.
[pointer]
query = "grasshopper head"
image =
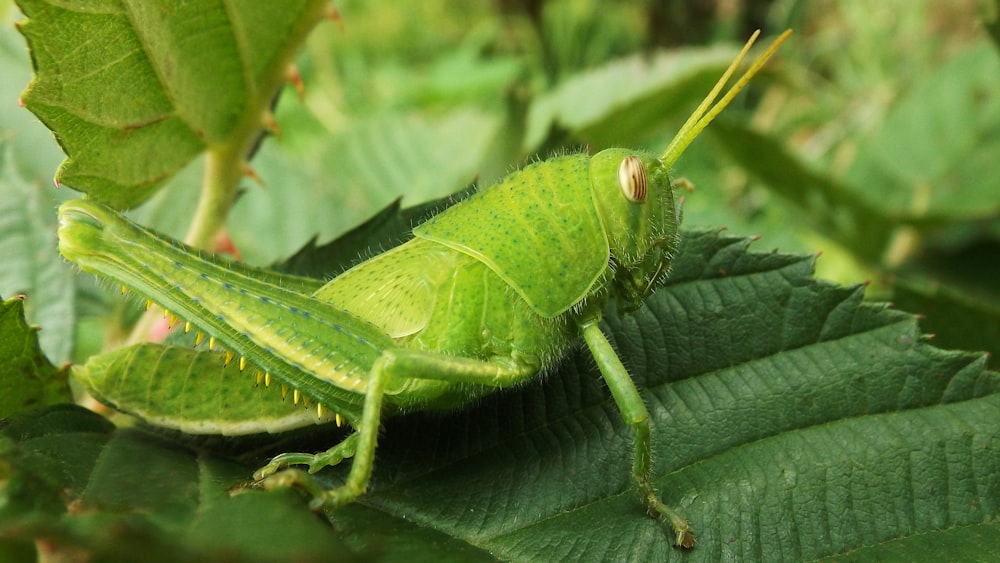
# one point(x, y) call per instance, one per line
point(635, 198)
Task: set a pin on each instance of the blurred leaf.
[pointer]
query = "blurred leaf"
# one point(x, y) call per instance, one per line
point(359, 169)
point(122, 83)
point(934, 159)
point(993, 25)
point(461, 76)
point(767, 390)
point(625, 99)
point(828, 203)
point(31, 264)
point(36, 153)
point(579, 34)
point(27, 379)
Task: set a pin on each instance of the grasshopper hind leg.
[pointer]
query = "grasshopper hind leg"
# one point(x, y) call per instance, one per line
point(360, 445)
point(333, 456)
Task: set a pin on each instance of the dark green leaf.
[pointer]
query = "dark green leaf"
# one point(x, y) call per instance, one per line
point(791, 419)
point(355, 171)
point(980, 543)
point(957, 321)
point(27, 379)
point(127, 495)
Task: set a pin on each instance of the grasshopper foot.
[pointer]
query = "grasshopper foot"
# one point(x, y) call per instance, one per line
point(333, 456)
point(294, 478)
point(274, 475)
point(684, 533)
point(321, 496)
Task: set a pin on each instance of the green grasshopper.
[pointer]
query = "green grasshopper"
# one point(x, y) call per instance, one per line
point(488, 294)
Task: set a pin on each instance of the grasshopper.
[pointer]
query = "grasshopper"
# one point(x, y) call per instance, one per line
point(486, 295)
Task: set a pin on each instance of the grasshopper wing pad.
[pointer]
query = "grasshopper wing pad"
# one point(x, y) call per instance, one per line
point(187, 390)
point(537, 229)
point(395, 290)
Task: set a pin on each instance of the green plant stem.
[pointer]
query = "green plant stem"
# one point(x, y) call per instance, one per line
point(225, 163)
point(223, 169)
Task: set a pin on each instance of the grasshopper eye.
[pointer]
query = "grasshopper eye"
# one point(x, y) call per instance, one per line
point(632, 178)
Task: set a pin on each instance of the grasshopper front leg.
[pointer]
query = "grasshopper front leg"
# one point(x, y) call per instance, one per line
point(636, 416)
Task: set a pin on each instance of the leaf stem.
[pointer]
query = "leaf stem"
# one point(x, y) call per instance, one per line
point(223, 169)
point(225, 162)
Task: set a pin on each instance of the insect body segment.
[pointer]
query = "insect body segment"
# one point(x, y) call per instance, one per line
point(489, 293)
point(537, 229)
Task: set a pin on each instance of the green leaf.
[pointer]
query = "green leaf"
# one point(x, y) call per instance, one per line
point(903, 175)
point(969, 543)
point(122, 83)
point(27, 379)
point(35, 152)
point(388, 228)
point(828, 203)
point(791, 419)
point(993, 25)
point(631, 96)
point(959, 319)
point(357, 170)
point(31, 264)
point(912, 175)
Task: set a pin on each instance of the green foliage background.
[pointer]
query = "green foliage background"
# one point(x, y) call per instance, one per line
point(809, 424)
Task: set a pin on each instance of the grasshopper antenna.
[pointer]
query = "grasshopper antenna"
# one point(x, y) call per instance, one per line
point(703, 115)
